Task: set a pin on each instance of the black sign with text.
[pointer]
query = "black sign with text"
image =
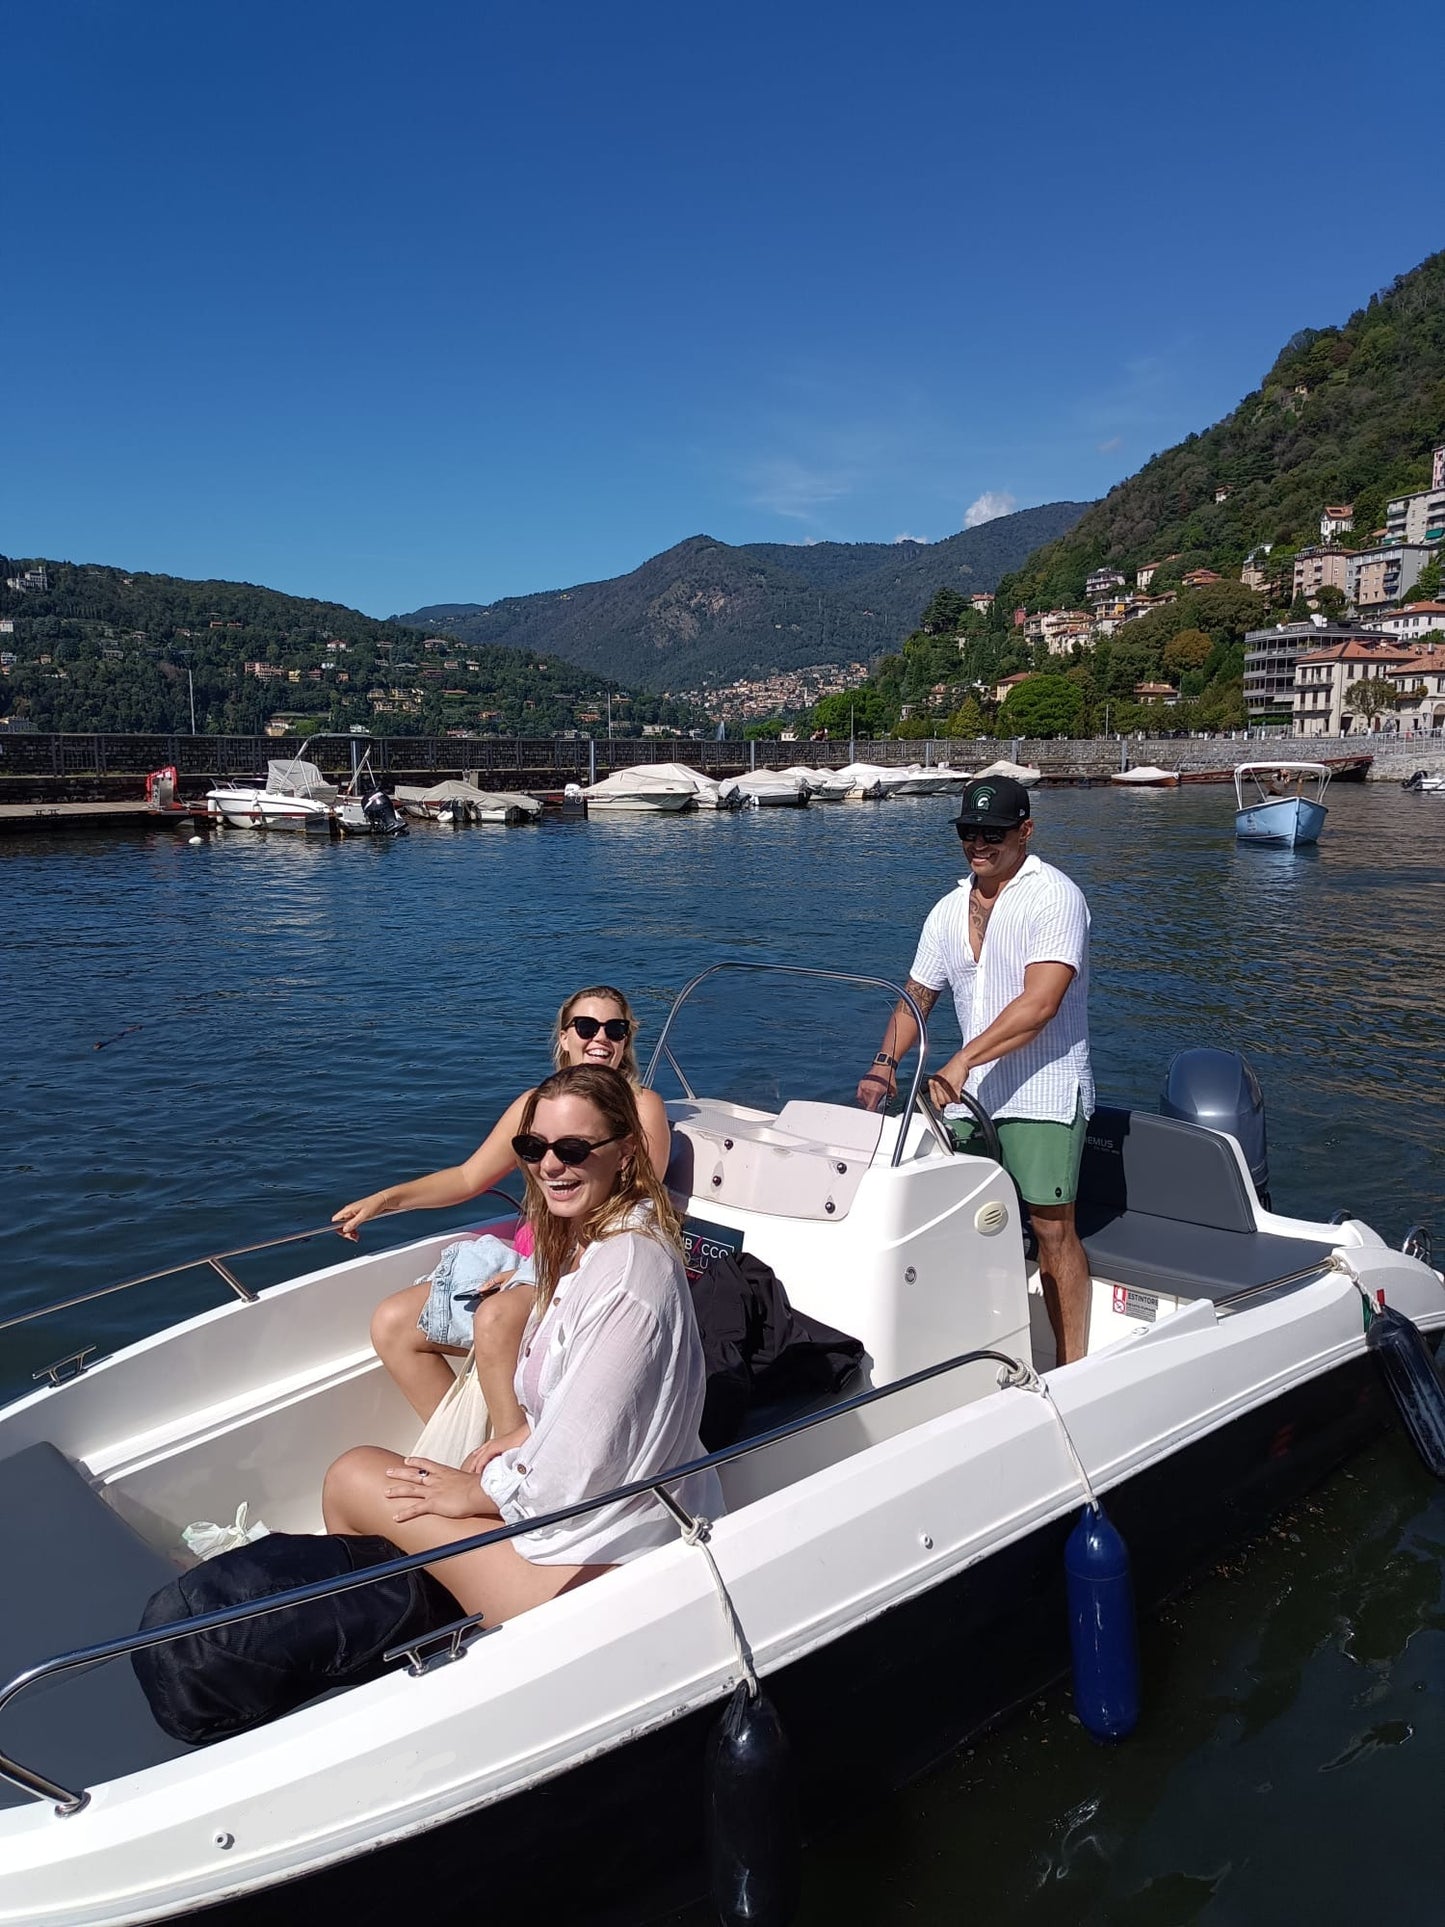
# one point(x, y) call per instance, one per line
point(702, 1242)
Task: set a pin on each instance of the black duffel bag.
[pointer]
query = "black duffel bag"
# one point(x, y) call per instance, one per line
point(209, 1685)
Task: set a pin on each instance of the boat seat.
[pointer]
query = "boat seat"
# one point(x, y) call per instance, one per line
point(1163, 1206)
point(76, 1574)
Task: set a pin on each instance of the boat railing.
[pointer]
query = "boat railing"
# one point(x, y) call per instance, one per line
point(662, 1048)
point(68, 1800)
point(218, 1261)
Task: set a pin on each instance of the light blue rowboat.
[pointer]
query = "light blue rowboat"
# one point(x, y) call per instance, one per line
point(1280, 804)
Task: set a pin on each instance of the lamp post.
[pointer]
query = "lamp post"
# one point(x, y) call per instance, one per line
point(190, 686)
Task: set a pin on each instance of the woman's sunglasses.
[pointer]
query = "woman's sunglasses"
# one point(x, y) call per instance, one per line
point(571, 1151)
point(615, 1029)
point(977, 833)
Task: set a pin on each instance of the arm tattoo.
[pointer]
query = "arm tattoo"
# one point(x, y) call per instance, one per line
point(922, 995)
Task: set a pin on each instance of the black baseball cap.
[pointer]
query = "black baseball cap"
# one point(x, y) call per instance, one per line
point(995, 802)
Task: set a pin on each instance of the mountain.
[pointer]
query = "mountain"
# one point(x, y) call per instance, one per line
point(1346, 414)
point(706, 612)
point(96, 648)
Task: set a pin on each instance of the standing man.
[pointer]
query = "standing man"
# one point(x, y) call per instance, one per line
point(1012, 943)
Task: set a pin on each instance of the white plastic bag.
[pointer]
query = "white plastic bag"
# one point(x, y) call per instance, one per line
point(205, 1539)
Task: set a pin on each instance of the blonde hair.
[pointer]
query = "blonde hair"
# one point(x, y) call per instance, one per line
point(637, 1184)
point(604, 993)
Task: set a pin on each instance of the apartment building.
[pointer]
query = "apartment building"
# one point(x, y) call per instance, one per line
point(1320, 568)
point(1324, 676)
point(1384, 574)
point(1272, 655)
point(1415, 620)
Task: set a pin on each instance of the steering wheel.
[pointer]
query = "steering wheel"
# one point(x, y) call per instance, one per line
point(987, 1129)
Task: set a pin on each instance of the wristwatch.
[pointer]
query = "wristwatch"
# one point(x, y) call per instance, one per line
point(884, 1058)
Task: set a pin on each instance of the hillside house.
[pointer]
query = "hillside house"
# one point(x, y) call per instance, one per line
point(1336, 519)
point(1156, 692)
point(1002, 688)
point(1103, 582)
point(1201, 578)
point(1412, 623)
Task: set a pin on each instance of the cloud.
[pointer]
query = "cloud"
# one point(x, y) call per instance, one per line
point(1108, 447)
point(921, 540)
point(798, 490)
point(993, 503)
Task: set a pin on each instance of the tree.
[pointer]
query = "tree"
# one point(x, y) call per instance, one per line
point(1370, 697)
point(967, 720)
point(1330, 601)
point(1427, 589)
point(1042, 706)
point(1190, 649)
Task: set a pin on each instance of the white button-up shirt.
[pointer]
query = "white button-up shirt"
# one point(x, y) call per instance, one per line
point(611, 1379)
point(1039, 916)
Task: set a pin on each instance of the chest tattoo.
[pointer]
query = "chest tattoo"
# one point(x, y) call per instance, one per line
point(979, 913)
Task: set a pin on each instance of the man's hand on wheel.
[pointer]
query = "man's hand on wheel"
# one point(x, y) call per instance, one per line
point(875, 1088)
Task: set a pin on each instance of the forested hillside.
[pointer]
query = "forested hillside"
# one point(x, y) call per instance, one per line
point(1346, 414)
point(98, 648)
point(706, 613)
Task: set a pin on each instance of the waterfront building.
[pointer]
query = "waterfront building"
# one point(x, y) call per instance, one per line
point(1384, 574)
point(1320, 568)
point(1419, 517)
point(1338, 519)
point(1420, 682)
point(1415, 620)
point(1270, 657)
point(1323, 678)
point(1156, 692)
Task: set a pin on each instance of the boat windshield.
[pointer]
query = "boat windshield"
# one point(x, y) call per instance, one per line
point(783, 1046)
point(1264, 782)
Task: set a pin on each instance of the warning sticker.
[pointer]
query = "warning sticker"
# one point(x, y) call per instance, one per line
point(1135, 1304)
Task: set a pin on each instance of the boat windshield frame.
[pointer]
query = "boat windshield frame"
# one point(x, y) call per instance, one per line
point(1261, 772)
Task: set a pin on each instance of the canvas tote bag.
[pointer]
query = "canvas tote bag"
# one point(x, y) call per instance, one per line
point(460, 1423)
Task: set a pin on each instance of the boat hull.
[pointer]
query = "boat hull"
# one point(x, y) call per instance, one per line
point(863, 1714)
point(1284, 822)
point(257, 811)
point(639, 802)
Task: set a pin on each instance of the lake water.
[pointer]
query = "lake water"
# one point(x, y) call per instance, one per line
point(288, 1024)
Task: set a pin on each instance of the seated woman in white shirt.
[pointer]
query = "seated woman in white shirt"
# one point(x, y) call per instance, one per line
point(610, 1377)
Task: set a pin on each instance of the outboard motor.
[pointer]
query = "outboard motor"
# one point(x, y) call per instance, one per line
point(382, 814)
point(1218, 1088)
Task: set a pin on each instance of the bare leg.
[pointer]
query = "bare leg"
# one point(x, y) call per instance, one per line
point(497, 1335)
point(1064, 1275)
point(419, 1367)
point(495, 1581)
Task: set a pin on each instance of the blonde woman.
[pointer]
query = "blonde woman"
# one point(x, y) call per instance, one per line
point(609, 1383)
point(595, 1027)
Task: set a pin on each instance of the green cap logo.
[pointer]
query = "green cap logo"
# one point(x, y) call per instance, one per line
point(983, 799)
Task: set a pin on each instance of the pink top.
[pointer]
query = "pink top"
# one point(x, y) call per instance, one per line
point(524, 1243)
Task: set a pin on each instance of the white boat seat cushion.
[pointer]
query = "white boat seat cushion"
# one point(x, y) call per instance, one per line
point(75, 1574)
point(807, 1162)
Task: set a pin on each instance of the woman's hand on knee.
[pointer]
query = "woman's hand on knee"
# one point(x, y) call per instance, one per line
point(422, 1486)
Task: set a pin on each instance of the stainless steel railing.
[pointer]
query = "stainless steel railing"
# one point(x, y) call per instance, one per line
point(662, 1049)
point(71, 1800)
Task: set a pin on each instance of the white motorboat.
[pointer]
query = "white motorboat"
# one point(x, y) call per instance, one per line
point(893, 1558)
point(767, 789)
point(457, 801)
point(1146, 776)
point(706, 794)
point(1026, 773)
point(1280, 804)
point(918, 779)
point(1421, 782)
point(295, 796)
point(823, 785)
point(639, 789)
point(867, 782)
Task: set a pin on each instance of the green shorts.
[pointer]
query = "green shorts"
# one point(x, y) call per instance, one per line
point(1041, 1158)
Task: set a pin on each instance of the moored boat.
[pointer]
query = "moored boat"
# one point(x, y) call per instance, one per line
point(1147, 776)
point(893, 1558)
point(640, 790)
point(295, 796)
point(1280, 804)
point(767, 789)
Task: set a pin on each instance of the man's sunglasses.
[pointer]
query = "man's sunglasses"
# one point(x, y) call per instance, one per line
point(980, 833)
point(571, 1151)
point(616, 1029)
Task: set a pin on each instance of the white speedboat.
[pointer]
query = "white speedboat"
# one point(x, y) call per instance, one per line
point(1026, 773)
point(1422, 782)
point(639, 790)
point(706, 794)
point(295, 796)
point(456, 801)
point(1146, 776)
point(867, 782)
point(767, 789)
point(823, 785)
point(920, 780)
point(889, 1565)
point(1280, 804)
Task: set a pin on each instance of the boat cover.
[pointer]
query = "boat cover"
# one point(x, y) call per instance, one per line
point(299, 779)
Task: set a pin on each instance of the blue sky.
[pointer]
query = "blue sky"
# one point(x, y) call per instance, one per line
point(396, 305)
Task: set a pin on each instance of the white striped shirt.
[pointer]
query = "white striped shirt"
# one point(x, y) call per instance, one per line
point(1039, 916)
